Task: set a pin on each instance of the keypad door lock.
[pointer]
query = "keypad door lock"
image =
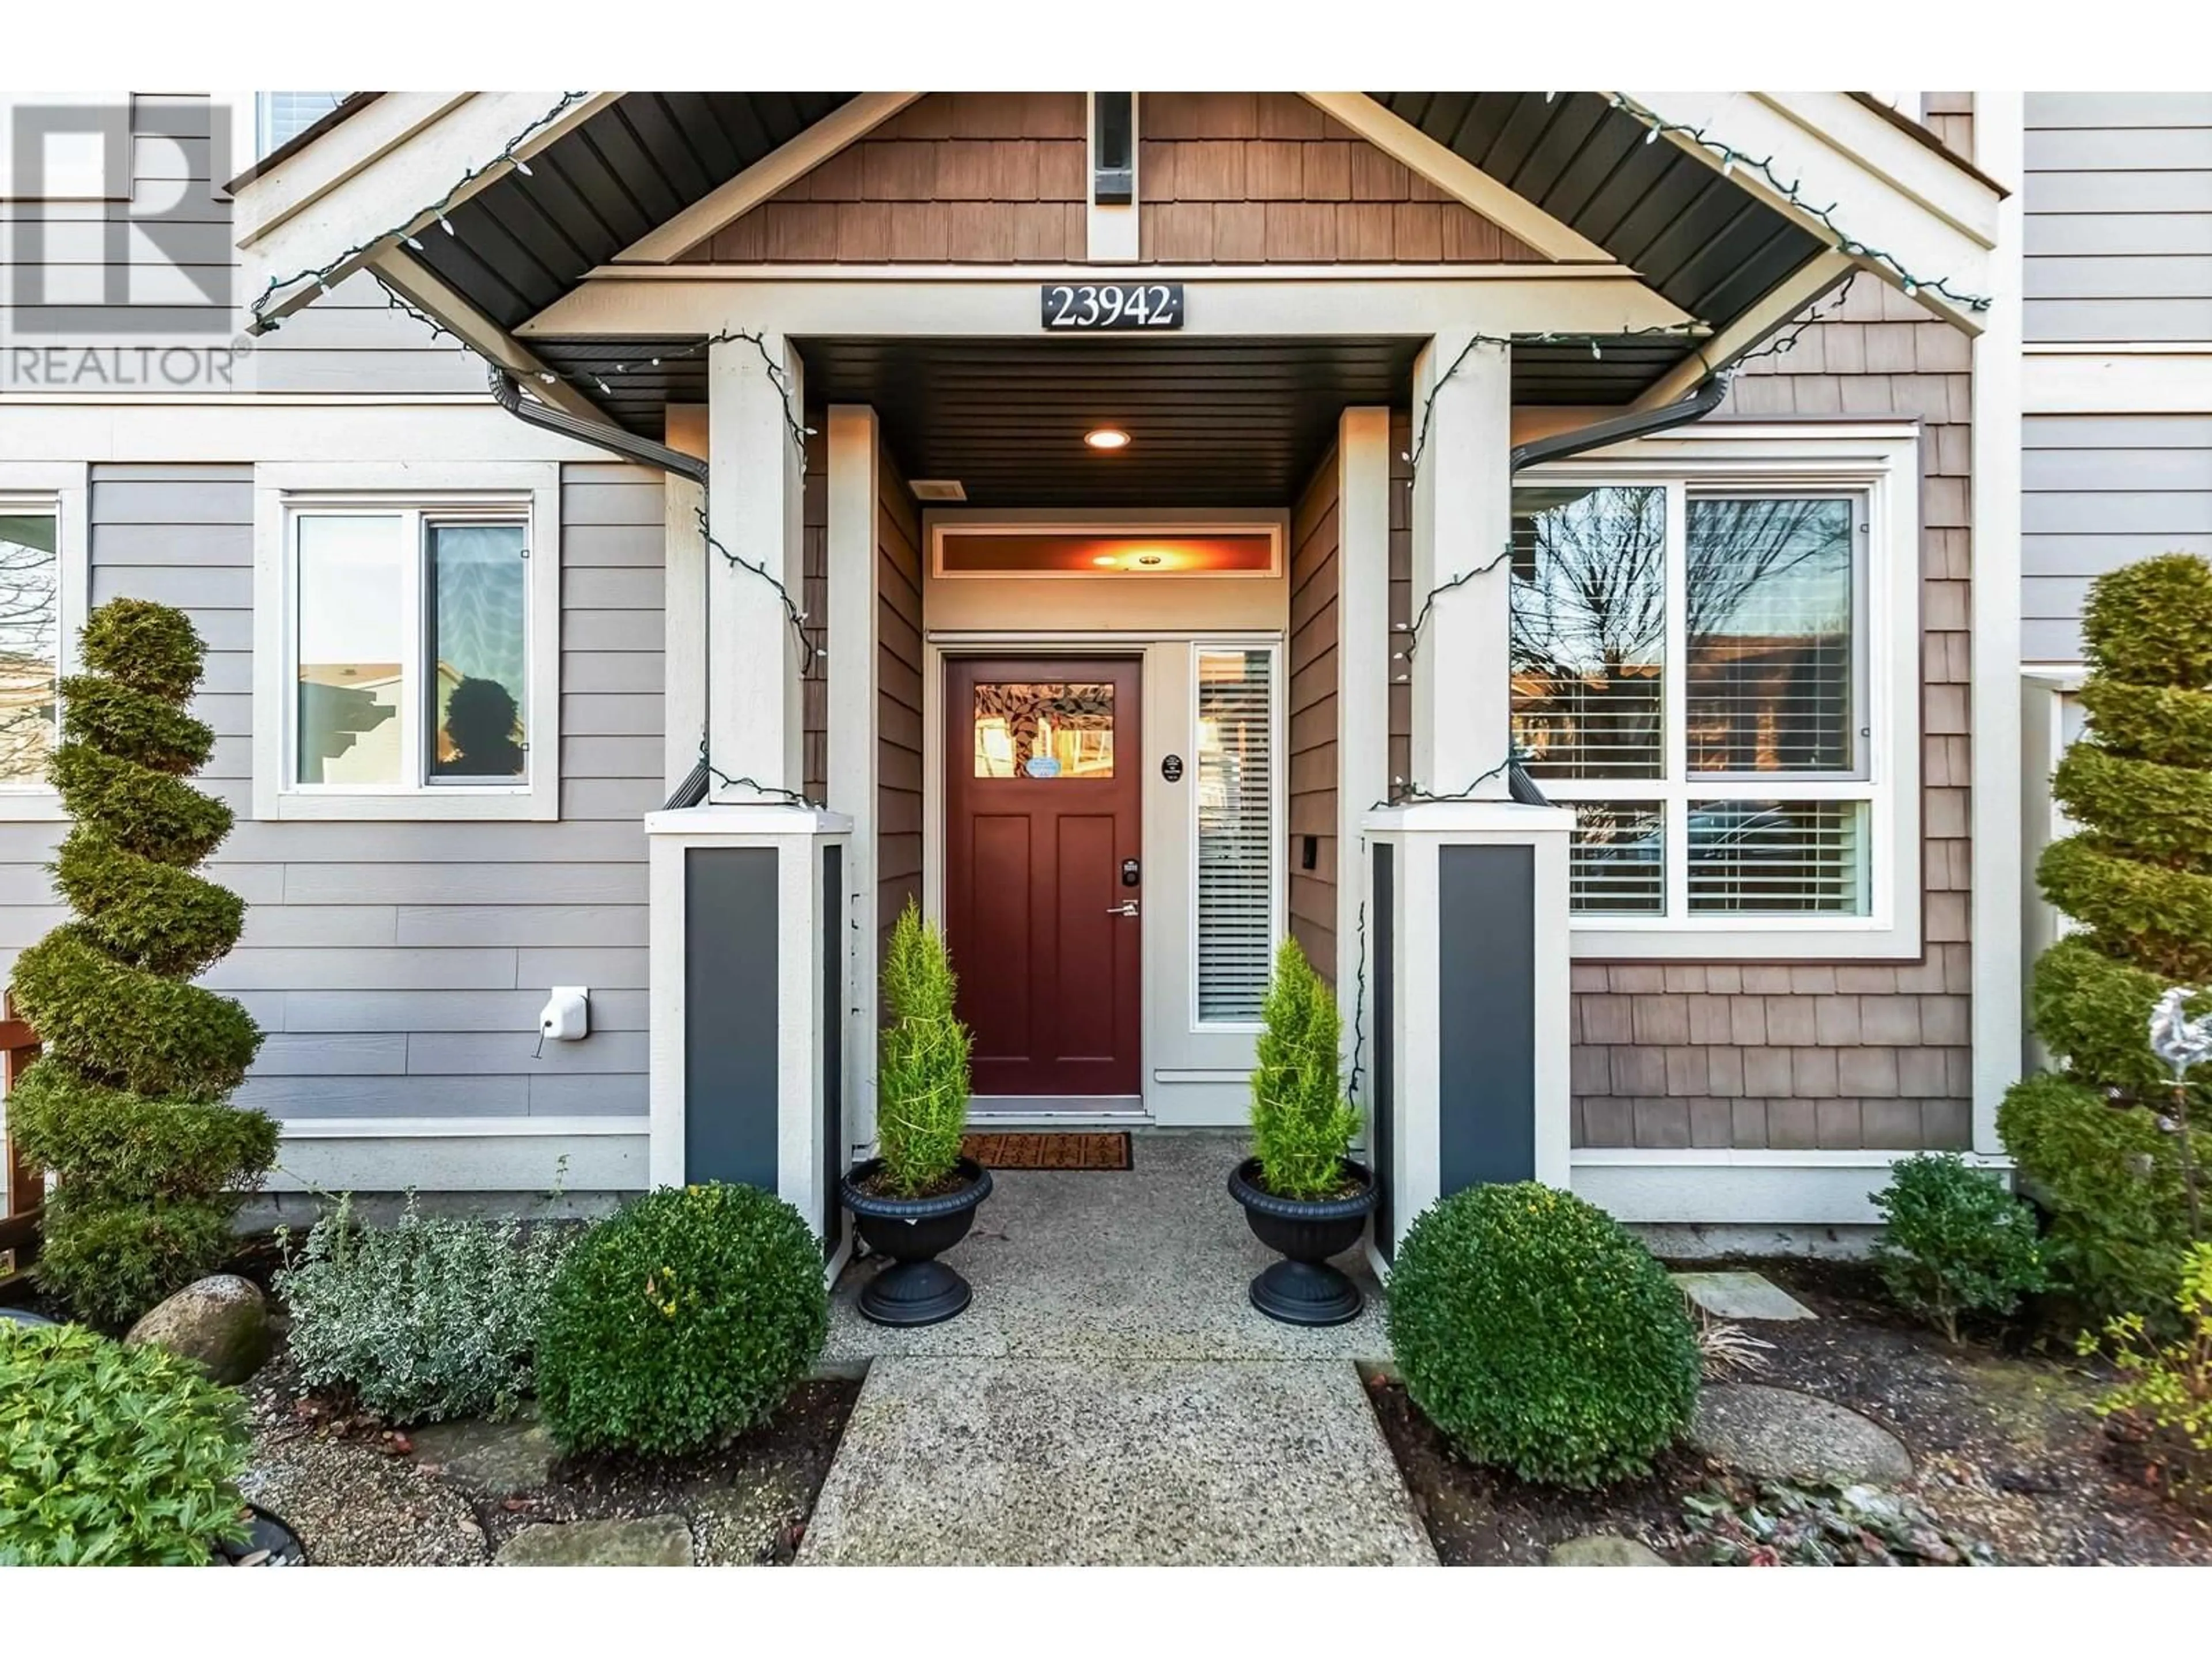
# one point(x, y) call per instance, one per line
point(1132, 874)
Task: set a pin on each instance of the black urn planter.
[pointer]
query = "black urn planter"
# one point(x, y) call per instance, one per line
point(270, 1542)
point(1302, 1288)
point(916, 1289)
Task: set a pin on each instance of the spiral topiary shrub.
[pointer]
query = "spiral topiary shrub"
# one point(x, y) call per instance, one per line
point(126, 1103)
point(1537, 1334)
point(685, 1317)
point(2098, 1143)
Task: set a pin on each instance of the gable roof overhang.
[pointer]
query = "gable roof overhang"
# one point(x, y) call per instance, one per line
point(1736, 209)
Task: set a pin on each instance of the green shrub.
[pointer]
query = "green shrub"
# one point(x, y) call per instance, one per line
point(126, 1104)
point(1954, 1241)
point(2137, 879)
point(1537, 1334)
point(2112, 1182)
point(1302, 1122)
point(113, 1457)
point(921, 1073)
point(424, 1320)
point(2165, 1389)
point(687, 1316)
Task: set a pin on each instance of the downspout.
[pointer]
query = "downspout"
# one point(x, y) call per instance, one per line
point(1619, 428)
point(507, 391)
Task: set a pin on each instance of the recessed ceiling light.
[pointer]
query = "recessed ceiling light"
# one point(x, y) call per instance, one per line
point(1104, 558)
point(1149, 560)
point(1107, 437)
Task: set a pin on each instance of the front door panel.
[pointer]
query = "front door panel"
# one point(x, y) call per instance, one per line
point(1043, 791)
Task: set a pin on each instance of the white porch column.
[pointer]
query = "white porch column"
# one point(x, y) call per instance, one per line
point(1363, 682)
point(854, 690)
point(1462, 501)
point(754, 509)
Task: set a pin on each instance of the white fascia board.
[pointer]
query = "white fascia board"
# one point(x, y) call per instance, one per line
point(1458, 177)
point(1005, 303)
point(424, 289)
point(362, 198)
point(1883, 188)
point(1765, 316)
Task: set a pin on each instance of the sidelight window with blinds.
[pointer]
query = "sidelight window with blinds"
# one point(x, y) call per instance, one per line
point(1235, 772)
point(1690, 675)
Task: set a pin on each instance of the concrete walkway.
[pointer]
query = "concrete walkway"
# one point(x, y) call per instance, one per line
point(1111, 1396)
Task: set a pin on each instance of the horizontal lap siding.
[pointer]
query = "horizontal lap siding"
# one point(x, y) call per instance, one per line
point(399, 968)
point(1315, 575)
point(2119, 216)
point(348, 340)
point(2100, 491)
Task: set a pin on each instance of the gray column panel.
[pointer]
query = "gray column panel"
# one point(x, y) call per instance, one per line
point(730, 1080)
point(1487, 997)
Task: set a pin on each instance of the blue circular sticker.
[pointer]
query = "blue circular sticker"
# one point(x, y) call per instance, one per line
point(1042, 766)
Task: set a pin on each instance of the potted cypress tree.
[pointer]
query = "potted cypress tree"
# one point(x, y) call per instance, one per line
point(917, 1196)
point(1302, 1192)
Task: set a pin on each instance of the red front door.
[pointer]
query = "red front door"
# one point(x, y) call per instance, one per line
point(1042, 894)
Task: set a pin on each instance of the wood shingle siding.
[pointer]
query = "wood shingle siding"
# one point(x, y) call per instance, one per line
point(399, 968)
point(2118, 204)
point(1315, 575)
point(1265, 177)
point(965, 177)
point(898, 699)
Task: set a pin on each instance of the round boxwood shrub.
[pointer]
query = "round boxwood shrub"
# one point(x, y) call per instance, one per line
point(685, 1317)
point(1537, 1334)
point(127, 1103)
point(112, 1455)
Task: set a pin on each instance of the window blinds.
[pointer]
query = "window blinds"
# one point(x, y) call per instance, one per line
point(1235, 831)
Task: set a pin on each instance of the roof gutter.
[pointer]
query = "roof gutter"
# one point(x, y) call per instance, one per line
point(1645, 423)
point(507, 391)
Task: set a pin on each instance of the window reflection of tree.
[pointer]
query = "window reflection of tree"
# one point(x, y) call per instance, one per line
point(1767, 603)
point(30, 616)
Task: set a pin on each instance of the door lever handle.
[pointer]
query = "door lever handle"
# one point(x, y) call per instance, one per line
point(1126, 908)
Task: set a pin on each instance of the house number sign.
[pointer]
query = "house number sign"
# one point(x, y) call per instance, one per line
point(1087, 308)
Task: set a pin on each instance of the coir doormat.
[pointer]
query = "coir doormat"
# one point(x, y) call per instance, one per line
point(1058, 1150)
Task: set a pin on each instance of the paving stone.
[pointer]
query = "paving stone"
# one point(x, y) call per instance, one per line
point(1783, 1435)
point(1603, 1549)
point(1099, 1462)
point(494, 1459)
point(655, 1541)
point(1741, 1296)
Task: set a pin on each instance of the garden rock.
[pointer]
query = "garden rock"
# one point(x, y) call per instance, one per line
point(656, 1541)
point(220, 1321)
point(1783, 1435)
point(1603, 1549)
point(493, 1459)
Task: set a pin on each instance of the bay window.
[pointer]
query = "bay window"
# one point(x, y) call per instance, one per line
point(1715, 671)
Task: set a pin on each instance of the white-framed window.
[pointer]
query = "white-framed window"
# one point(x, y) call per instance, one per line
point(1716, 653)
point(407, 641)
point(43, 582)
point(1237, 799)
point(281, 117)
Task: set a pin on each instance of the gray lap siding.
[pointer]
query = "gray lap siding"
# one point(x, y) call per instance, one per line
point(399, 968)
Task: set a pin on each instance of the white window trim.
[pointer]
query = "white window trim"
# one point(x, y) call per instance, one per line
point(1278, 814)
point(1880, 461)
point(533, 489)
point(63, 488)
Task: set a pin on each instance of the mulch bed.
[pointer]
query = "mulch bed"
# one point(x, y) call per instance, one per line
point(2006, 1446)
point(363, 1495)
